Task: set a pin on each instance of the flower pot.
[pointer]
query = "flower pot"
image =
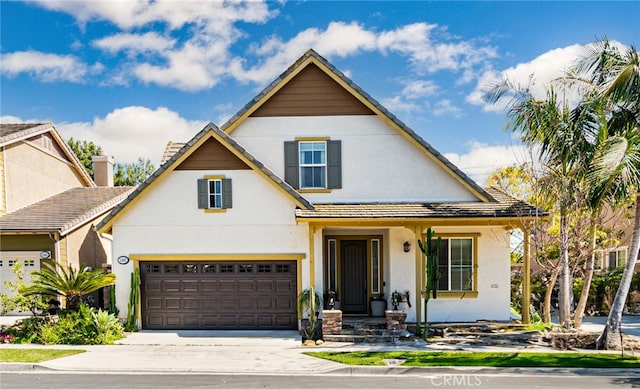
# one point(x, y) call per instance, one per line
point(378, 307)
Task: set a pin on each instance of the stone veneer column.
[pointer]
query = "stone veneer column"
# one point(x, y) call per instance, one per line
point(396, 320)
point(331, 322)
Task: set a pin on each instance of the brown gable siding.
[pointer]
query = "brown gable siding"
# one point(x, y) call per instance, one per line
point(212, 156)
point(312, 93)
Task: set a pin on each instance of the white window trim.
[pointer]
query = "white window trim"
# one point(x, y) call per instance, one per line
point(302, 165)
point(217, 195)
point(375, 274)
point(449, 266)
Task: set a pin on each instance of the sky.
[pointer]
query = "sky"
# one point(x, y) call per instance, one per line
point(133, 75)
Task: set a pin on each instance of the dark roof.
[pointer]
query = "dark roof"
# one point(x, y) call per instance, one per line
point(11, 132)
point(504, 206)
point(65, 211)
point(186, 147)
point(302, 61)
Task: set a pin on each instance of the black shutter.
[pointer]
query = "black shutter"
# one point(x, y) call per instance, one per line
point(203, 194)
point(334, 164)
point(226, 193)
point(291, 168)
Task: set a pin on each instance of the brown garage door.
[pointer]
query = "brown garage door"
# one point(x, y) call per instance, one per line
point(219, 295)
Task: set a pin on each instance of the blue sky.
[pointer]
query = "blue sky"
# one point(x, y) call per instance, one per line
point(132, 75)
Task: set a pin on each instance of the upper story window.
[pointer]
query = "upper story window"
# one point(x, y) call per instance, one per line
point(313, 165)
point(214, 193)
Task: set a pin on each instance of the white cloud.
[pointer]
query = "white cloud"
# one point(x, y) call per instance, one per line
point(481, 160)
point(135, 43)
point(446, 107)
point(537, 75)
point(131, 132)
point(44, 66)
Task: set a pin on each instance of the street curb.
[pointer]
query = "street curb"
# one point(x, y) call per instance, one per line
point(17, 366)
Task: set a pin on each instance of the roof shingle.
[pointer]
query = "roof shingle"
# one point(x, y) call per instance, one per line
point(65, 211)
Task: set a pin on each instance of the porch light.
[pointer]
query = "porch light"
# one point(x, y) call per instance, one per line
point(407, 247)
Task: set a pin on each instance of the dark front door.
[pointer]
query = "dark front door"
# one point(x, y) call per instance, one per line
point(353, 254)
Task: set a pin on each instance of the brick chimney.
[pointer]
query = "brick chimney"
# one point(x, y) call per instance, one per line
point(102, 169)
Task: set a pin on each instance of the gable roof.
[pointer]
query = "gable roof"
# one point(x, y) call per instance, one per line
point(170, 150)
point(311, 57)
point(208, 132)
point(64, 212)
point(11, 133)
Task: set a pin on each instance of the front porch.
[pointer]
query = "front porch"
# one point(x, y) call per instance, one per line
point(362, 329)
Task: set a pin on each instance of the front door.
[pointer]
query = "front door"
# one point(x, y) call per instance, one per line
point(353, 283)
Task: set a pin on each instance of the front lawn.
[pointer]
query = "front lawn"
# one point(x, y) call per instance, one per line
point(495, 359)
point(34, 355)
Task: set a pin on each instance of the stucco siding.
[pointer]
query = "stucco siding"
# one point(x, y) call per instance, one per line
point(166, 220)
point(378, 164)
point(33, 174)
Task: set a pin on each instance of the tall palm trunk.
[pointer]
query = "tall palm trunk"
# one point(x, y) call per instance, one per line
point(565, 278)
point(549, 293)
point(610, 337)
point(588, 274)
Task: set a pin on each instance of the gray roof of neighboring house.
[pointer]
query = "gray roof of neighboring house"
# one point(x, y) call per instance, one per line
point(504, 207)
point(65, 211)
point(371, 100)
point(187, 146)
point(11, 132)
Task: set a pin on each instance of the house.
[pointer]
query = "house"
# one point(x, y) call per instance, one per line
point(312, 183)
point(50, 204)
point(35, 163)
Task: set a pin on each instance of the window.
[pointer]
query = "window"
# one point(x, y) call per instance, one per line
point(456, 264)
point(214, 193)
point(375, 266)
point(313, 164)
point(617, 258)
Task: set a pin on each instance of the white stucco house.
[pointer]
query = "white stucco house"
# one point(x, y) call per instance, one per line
point(312, 183)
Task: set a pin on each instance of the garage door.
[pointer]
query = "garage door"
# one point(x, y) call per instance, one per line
point(219, 295)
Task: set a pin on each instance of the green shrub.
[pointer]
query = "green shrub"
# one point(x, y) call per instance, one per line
point(86, 326)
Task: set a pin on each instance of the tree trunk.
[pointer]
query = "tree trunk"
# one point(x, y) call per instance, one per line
point(588, 275)
point(564, 297)
point(610, 337)
point(549, 292)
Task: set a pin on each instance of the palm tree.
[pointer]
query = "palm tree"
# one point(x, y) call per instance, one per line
point(616, 77)
point(54, 280)
point(547, 125)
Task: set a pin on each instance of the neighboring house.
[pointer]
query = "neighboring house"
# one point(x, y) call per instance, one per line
point(35, 163)
point(51, 204)
point(313, 183)
point(621, 223)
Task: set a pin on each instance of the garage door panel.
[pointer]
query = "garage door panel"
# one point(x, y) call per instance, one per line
point(190, 285)
point(219, 295)
point(171, 286)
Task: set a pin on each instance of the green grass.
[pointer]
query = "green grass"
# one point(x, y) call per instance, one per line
point(34, 355)
point(495, 359)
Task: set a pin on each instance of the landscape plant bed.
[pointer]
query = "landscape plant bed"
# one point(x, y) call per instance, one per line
point(34, 355)
point(491, 359)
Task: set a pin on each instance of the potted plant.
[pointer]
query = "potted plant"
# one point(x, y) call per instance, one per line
point(331, 300)
point(310, 303)
point(398, 298)
point(378, 305)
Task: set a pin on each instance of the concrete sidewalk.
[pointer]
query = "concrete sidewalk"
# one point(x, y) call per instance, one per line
point(235, 352)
